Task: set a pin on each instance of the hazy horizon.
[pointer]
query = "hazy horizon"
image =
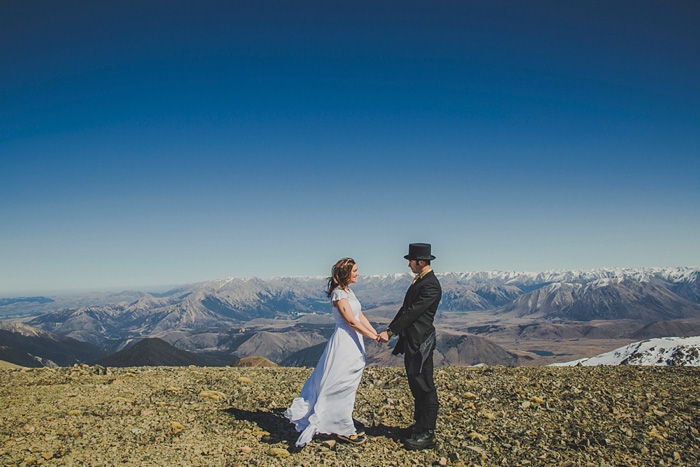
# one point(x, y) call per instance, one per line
point(175, 142)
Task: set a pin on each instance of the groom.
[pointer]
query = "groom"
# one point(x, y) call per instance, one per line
point(414, 326)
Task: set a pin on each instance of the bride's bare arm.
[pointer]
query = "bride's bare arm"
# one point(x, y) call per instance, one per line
point(366, 323)
point(366, 330)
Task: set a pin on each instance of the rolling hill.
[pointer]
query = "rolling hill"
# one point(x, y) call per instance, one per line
point(152, 352)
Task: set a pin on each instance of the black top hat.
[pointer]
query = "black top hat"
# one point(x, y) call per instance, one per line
point(419, 251)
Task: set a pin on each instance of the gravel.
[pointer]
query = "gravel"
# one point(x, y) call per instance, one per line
point(577, 416)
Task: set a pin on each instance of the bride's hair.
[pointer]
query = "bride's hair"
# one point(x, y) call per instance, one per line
point(340, 275)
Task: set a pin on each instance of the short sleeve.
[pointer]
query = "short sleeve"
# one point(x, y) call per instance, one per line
point(339, 294)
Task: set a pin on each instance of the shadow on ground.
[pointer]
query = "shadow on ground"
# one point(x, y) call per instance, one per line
point(271, 421)
point(282, 431)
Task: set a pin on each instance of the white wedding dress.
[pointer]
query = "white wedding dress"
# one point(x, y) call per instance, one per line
point(327, 399)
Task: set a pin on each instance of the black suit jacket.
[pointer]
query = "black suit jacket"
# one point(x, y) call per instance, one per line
point(414, 321)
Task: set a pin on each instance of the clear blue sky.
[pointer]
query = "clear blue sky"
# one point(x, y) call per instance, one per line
point(164, 142)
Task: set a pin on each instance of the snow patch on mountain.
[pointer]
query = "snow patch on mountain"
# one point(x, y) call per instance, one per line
point(663, 351)
point(670, 274)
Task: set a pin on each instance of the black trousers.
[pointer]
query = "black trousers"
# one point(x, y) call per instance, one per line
point(424, 394)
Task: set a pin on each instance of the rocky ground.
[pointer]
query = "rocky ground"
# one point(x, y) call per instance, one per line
point(594, 416)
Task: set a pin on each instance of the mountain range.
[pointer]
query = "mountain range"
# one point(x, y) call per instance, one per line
point(645, 295)
point(482, 315)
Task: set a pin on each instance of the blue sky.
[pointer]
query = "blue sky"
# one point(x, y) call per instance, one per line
point(166, 142)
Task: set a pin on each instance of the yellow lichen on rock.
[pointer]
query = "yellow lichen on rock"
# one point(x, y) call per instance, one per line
point(279, 452)
point(176, 427)
point(213, 395)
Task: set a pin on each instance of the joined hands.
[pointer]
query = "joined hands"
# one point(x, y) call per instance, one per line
point(383, 337)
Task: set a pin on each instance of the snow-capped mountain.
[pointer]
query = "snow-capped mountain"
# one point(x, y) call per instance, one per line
point(679, 275)
point(663, 351)
point(220, 317)
point(643, 295)
point(603, 299)
point(206, 304)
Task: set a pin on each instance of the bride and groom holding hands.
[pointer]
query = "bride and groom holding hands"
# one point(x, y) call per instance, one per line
point(327, 399)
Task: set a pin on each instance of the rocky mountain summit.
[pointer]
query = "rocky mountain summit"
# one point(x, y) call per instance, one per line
point(489, 416)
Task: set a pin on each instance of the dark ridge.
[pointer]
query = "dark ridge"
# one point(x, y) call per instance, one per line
point(35, 351)
point(152, 352)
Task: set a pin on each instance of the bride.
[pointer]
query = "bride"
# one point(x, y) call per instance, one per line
point(327, 399)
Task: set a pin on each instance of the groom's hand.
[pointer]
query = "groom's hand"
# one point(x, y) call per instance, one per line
point(383, 337)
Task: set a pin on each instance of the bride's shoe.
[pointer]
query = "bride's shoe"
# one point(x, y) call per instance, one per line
point(353, 439)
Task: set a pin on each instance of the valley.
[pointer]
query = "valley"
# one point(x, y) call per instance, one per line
point(493, 318)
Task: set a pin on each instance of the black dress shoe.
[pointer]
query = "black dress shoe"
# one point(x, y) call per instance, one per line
point(407, 432)
point(419, 441)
